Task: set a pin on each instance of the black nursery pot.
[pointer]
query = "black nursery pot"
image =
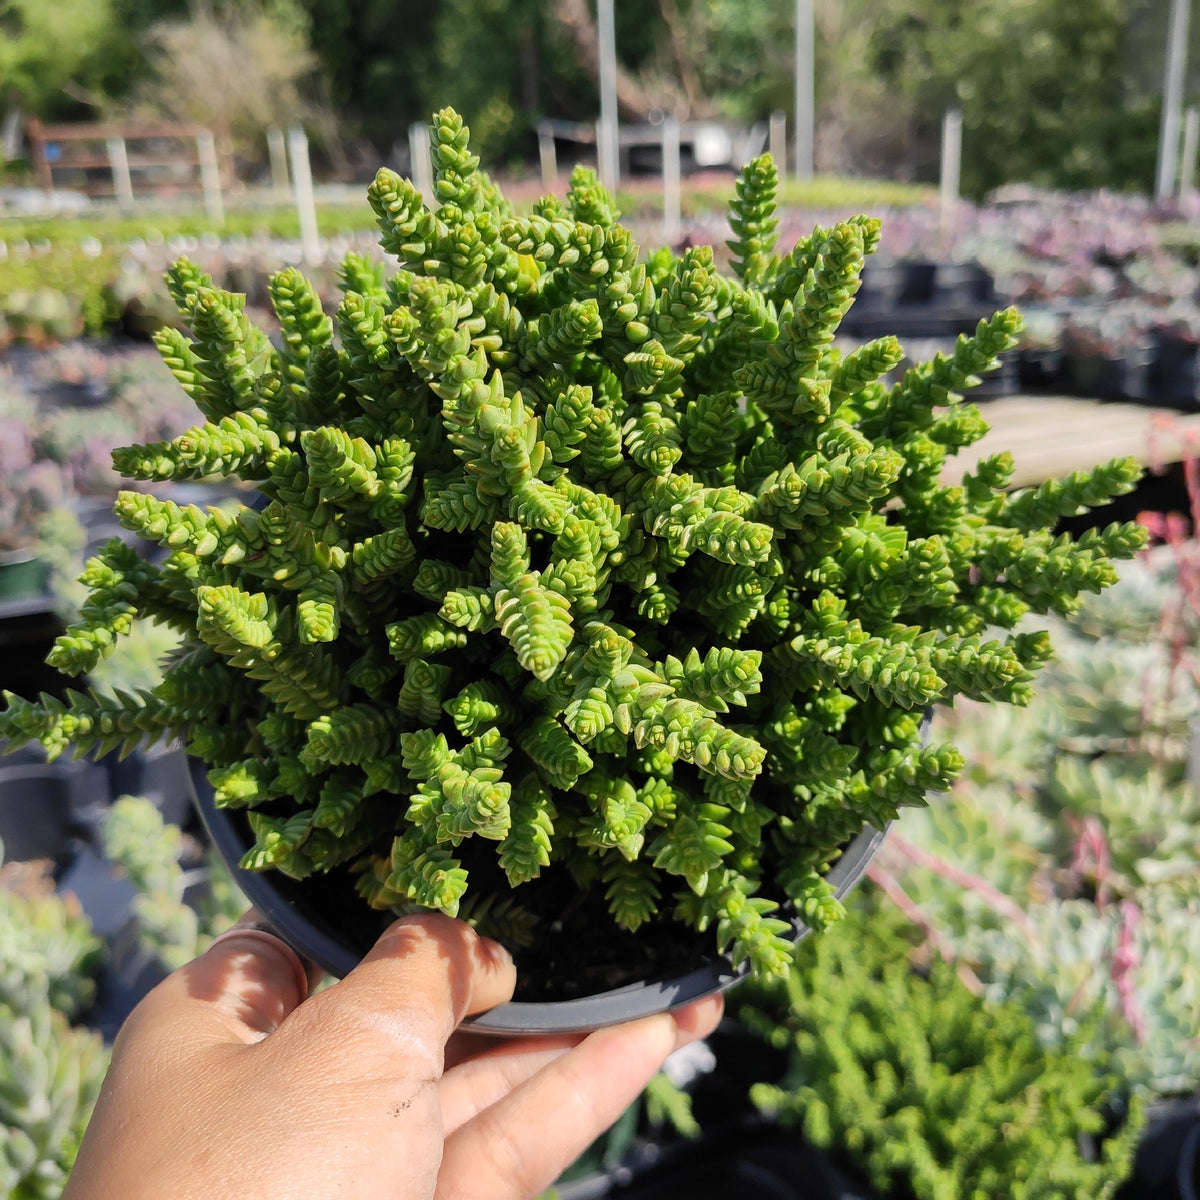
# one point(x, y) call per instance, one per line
point(326, 921)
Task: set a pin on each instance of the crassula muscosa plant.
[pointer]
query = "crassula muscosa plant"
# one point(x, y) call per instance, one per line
point(574, 564)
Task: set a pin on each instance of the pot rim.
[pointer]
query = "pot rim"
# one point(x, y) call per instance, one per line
point(20, 556)
point(318, 941)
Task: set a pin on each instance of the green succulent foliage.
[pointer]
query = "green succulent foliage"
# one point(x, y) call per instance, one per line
point(50, 1077)
point(50, 1073)
point(48, 953)
point(138, 841)
point(929, 1088)
point(548, 527)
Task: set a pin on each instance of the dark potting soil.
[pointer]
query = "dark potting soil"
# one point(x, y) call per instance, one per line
point(577, 949)
point(583, 952)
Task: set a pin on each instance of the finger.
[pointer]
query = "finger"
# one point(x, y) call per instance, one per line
point(399, 1006)
point(466, 1046)
point(698, 1020)
point(241, 989)
point(519, 1145)
point(481, 1071)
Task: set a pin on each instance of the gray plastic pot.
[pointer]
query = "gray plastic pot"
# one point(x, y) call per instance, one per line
point(310, 916)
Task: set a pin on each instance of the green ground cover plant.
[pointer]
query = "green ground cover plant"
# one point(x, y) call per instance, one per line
point(931, 1091)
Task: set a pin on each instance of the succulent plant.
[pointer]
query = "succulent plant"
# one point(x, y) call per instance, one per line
point(48, 952)
point(572, 568)
point(137, 840)
point(31, 488)
point(1090, 918)
point(44, 315)
point(929, 1089)
point(50, 1073)
point(50, 1076)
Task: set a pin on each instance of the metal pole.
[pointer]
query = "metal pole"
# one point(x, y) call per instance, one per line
point(1174, 70)
point(210, 177)
point(1187, 167)
point(805, 121)
point(421, 153)
point(672, 217)
point(951, 167)
point(302, 186)
point(118, 162)
point(608, 142)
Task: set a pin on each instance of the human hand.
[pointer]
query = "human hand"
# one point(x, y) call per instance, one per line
point(226, 1082)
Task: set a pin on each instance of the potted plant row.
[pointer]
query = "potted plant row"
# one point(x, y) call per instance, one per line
point(1135, 354)
point(921, 299)
point(596, 598)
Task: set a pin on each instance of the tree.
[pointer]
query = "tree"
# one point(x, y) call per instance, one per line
point(1044, 87)
point(373, 53)
point(237, 69)
point(48, 52)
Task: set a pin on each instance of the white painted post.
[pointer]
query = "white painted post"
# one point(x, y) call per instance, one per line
point(672, 216)
point(547, 155)
point(302, 189)
point(1187, 165)
point(281, 185)
point(1174, 71)
point(951, 168)
point(805, 118)
point(210, 178)
point(608, 143)
point(1193, 756)
point(118, 162)
point(777, 140)
point(10, 134)
point(421, 153)
point(601, 150)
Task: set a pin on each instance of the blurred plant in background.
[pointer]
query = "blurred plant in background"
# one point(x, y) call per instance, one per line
point(927, 1089)
point(1079, 895)
point(54, 968)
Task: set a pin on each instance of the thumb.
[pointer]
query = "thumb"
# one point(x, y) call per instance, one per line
point(238, 991)
point(399, 1006)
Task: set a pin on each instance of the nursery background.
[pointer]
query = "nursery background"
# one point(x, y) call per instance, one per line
point(1014, 1005)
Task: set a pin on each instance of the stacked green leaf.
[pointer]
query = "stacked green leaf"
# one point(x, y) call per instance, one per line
point(929, 1090)
point(621, 565)
point(50, 1077)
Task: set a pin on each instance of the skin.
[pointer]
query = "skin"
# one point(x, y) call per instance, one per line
point(227, 1082)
